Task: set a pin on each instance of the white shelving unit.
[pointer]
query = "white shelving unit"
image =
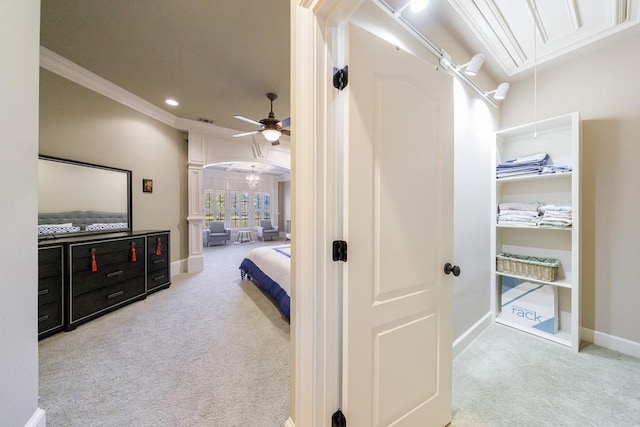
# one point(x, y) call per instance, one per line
point(560, 138)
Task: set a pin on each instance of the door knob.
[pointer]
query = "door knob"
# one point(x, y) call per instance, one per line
point(448, 269)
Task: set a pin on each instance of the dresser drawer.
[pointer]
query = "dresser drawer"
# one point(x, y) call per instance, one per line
point(102, 299)
point(49, 289)
point(158, 269)
point(87, 281)
point(106, 253)
point(49, 316)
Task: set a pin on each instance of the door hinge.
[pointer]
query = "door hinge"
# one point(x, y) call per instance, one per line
point(340, 77)
point(338, 419)
point(340, 250)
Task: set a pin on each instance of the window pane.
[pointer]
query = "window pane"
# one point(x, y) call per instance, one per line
point(267, 202)
point(257, 199)
point(208, 200)
point(220, 201)
point(244, 219)
point(244, 201)
point(208, 217)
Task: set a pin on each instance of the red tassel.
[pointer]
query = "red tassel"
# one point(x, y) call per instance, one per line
point(158, 246)
point(94, 264)
point(134, 258)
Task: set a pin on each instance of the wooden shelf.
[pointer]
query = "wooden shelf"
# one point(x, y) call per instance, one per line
point(559, 137)
point(558, 283)
point(532, 177)
point(537, 227)
point(559, 337)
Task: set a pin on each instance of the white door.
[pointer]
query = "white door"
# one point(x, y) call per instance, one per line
point(398, 224)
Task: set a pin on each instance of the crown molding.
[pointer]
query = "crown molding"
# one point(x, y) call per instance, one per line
point(61, 66)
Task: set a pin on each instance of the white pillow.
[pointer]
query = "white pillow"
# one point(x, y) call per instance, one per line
point(106, 226)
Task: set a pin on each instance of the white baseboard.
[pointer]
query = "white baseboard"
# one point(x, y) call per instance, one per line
point(471, 334)
point(38, 419)
point(612, 342)
point(289, 423)
point(178, 267)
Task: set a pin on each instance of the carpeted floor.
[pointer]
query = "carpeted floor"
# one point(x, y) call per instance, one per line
point(509, 378)
point(209, 351)
point(214, 351)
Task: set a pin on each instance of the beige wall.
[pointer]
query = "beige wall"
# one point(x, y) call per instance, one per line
point(77, 123)
point(19, 55)
point(601, 83)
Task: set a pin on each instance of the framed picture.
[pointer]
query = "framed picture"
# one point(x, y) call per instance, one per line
point(147, 186)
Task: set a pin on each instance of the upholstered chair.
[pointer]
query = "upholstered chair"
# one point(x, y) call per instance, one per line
point(267, 231)
point(217, 233)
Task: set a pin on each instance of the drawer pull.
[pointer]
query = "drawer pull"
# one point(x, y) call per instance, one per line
point(155, 279)
point(43, 318)
point(159, 261)
point(115, 273)
point(43, 292)
point(115, 294)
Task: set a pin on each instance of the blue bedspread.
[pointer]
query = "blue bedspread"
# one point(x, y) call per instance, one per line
point(272, 288)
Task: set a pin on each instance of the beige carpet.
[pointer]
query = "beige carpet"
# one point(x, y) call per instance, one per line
point(209, 351)
point(509, 378)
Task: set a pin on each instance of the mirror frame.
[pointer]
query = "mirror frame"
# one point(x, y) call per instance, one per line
point(129, 202)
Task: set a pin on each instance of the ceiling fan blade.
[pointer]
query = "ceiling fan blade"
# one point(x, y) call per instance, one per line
point(253, 132)
point(285, 132)
point(248, 120)
point(286, 122)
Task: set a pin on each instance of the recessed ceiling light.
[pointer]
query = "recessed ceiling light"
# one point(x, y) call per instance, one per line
point(171, 102)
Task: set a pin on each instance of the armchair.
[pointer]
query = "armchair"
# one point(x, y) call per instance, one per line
point(265, 229)
point(216, 233)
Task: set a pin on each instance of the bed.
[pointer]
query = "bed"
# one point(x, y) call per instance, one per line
point(270, 268)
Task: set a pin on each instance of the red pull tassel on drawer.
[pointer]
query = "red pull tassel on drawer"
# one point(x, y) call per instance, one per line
point(134, 256)
point(158, 246)
point(94, 264)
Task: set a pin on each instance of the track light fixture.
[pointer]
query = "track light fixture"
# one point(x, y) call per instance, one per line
point(500, 92)
point(415, 6)
point(472, 67)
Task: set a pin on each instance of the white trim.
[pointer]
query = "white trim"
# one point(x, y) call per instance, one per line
point(38, 419)
point(612, 342)
point(178, 267)
point(61, 66)
point(471, 334)
point(57, 64)
point(289, 423)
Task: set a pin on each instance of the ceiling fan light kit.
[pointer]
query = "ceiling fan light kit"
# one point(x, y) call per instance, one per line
point(270, 127)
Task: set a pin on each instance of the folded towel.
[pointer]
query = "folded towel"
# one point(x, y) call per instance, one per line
point(537, 159)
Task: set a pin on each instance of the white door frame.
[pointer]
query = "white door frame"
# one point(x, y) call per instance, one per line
point(315, 153)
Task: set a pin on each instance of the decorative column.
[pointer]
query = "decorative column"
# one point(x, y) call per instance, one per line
point(195, 218)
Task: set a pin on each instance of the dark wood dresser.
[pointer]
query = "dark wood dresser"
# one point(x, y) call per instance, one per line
point(98, 274)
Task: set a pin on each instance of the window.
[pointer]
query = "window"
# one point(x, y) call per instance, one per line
point(237, 209)
point(214, 206)
point(261, 207)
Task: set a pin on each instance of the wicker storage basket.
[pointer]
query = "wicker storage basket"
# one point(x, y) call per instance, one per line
point(528, 266)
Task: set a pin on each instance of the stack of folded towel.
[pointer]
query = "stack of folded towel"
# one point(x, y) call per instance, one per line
point(531, 164)
point(519, 214)
point(555, 216)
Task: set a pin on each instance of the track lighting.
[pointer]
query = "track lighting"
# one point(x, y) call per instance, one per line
point(415, 6)
point(472, 67)
point(500, 92)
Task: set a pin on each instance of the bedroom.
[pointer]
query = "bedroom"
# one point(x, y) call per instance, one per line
point(609, 118)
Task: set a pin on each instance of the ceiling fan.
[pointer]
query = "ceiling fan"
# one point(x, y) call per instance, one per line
point(271, 128)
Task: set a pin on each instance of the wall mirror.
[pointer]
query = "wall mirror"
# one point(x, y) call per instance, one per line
point(76, 197)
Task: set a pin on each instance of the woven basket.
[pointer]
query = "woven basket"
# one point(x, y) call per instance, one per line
point(528, 266)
